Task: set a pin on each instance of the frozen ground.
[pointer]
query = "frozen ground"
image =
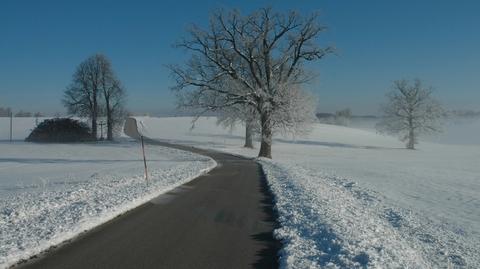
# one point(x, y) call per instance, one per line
point(351, 198)
point(52, 192)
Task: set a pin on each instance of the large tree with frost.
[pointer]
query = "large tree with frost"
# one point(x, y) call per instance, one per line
point(294, 117)
point(410, 111)
point(253, 60)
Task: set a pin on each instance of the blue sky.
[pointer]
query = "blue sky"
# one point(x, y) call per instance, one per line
point(42, 42)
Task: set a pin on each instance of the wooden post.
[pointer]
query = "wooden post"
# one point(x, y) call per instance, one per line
point(144, 159)
point(11, 125)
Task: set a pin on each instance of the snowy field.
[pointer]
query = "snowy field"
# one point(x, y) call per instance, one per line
point(349, 197)
point(52, 192)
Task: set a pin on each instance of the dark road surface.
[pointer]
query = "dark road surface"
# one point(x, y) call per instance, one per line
point(223, 219)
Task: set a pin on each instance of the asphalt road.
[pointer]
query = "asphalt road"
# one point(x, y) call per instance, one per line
point(224, 219)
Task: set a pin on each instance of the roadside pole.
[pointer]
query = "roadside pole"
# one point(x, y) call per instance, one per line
point(130, 128)
point(144, 159)
point(11, 125)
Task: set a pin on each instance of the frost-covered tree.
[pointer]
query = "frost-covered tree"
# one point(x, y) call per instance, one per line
point(241, 114)
point(342, 117)
point(410, 111)
point(295, 116)
point(263, 52)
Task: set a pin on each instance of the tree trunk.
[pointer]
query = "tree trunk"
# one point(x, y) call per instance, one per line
point(248, 134)
point(411, 134)
point(109, 120)
point(109, 126)
point(94, 115)
point(411, 139)
point(266, 142)
point(94, 126)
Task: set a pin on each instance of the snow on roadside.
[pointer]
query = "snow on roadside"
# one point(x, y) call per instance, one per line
point(324, 225)
point(330, 222)
point(31, 222)
point(364, 191)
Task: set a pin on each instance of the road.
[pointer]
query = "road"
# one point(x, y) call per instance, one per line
point(223, 219)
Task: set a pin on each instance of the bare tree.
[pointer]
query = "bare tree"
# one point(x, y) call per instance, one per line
point(93, 79)
point(81, 96)
point(113, 95)
point(5, 112)
point(410, 111)
point(260, 55)
point(342, 117)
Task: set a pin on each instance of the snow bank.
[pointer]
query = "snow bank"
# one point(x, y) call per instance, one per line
point(50, 193)
point(330, 222)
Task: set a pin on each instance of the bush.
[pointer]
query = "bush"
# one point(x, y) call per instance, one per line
point(60, 130)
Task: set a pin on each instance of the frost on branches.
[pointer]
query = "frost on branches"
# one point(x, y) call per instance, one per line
point(411, 110)
point(251, 62)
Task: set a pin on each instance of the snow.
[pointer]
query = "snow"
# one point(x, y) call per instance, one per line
point(50, 193)
point(346, 197)
point(350, 197)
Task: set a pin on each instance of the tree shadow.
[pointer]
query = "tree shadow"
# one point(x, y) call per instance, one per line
point(325, 238)
point(229, 136)
point(69, 161)
point(328, 144)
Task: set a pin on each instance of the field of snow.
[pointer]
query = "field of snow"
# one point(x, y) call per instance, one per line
point(349, 197)
point(52, 192)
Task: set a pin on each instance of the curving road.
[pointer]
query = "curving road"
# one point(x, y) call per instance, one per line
point(223, 219)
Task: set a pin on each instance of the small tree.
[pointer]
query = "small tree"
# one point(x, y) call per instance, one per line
point(231, 116)
point(410, 111)
point(342, 117)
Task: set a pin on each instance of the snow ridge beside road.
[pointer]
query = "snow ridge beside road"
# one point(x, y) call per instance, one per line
point(32, 222)
point(328, 222)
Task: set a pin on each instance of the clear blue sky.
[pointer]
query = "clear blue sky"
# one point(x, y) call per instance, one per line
point(42, 42)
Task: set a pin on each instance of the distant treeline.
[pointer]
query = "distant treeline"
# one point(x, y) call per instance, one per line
point(341, 117)
point(464, 113)
point(5, 112)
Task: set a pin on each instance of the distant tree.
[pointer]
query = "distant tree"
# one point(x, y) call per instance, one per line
point(342, 117)
point(81, 96)
point(37, 115)
point(244, 114)
point(260, 55)
point(94, 79)
point(113, 95)
point(5, 112)
point(410, 111)
point(23, 114)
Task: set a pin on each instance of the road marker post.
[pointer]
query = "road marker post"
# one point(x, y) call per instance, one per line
point(11, 125)
point(130, 128)
point(144, 159)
